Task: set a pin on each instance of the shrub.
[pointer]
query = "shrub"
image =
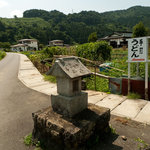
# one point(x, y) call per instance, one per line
point(7, 50)
point(2, 55)
point(35, 57)
point(97, 51)
point(92, 37)
point(101, 84)
point(28, 139)
point(50, 78)
point(134, 96)
point(51, 51)
point(5, 45)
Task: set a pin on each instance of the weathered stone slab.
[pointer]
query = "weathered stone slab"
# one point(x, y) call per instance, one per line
point(29, 72)
point(129, 108)
point(42, 87)
point(26, 62)
point(96, 98)
point(33, 81)
point(50, 91)
point(92, 93)
point(56, 131)
point(69, 106)
point(111, 101)
point(144, 115)
point(33, 77)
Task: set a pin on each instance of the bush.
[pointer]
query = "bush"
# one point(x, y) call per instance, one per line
point(7, 50)
point(50, 78)
point(101, 84)
point(2, 55)
point(35, 57)
point(51, 51)
point(134, 96)
point(92, 37)
point(28, 139)
point(5, 45)
point(97, 51)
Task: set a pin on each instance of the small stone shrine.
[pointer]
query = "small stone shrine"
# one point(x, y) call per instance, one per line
point(69, 100)
point(70, 122)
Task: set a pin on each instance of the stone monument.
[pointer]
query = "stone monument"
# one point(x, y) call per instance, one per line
point(70, 122)
point(70, 100)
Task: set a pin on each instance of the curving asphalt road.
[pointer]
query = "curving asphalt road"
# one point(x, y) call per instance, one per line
point(17, 103)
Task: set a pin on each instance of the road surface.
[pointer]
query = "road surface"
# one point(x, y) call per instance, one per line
point(17, 103)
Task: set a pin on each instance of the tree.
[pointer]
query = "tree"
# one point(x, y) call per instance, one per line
point(97, 51)
point(140, 30)
point(2, 26)
point(92, 37)
point(15, 16)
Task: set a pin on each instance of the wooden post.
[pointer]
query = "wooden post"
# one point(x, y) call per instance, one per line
point(129, 77)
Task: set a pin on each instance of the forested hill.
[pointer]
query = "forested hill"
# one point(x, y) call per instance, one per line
point(48, 25)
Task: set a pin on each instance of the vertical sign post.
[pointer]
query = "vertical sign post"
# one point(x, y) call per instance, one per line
point(129, 76)
point(138, 52)
point(146, 72)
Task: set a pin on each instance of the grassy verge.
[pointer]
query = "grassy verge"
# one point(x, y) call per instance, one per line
point(133, 96)
point(2, 54)
point(49, 78)
point(101, 84)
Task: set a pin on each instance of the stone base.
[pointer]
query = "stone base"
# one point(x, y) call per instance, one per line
point(69, 106)
point(58, 133)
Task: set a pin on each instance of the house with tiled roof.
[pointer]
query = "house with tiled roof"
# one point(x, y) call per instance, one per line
point(25, 45)
point(117, 39)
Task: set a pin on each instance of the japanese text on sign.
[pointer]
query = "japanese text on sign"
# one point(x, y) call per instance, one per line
point(137, 50)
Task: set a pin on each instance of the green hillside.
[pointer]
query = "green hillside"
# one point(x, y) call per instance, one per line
point(48, 25)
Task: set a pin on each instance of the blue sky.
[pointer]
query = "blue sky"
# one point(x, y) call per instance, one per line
point(9, 8)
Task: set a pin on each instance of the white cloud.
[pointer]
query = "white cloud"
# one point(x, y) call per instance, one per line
point(17, 13)
point(3, 3)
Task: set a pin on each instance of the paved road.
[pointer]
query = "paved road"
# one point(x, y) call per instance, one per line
point(17, 103)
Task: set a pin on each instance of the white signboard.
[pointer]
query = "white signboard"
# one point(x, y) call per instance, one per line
point(137, 49)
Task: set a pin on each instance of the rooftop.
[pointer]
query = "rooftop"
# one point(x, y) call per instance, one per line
point(27, 40)
point(19, 45)
point(57, 41)
point(118, 35)
point(70, 67)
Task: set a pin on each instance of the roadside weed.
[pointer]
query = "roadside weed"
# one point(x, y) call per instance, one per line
point(113, 130)
point(142, 145)
point(49, 78)
point(133, 96)
point(28, 139)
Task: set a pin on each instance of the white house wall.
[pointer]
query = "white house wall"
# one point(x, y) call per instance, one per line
point(33, 44)
point(18, 49)
point(118, 41)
